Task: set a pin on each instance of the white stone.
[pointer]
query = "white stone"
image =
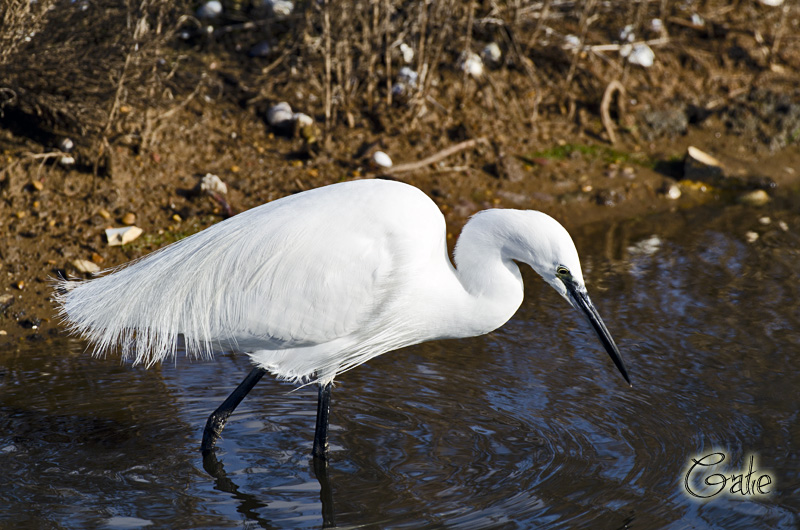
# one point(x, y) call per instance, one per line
point(407, 52)
point(572, 42)
point(211, 9)
point(280, 114)
point(302, 120)
point(213, 183)
point(657, 25)
point(642, 55)
point(279, 8)
point(627, 35)
point(66, 145)
point(472, 64)
point(381, 159)
point(491, 53)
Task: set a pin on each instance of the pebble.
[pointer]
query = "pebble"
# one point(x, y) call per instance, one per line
point(754, 198)
point(66, 145)
point(37, 185)
point(102, 212)
point(279, 8)
point(672, 191)
point(67, 161)
point(751, 237)
point(211, 9)
point(6, 300)
point(491, 54)
point(303, 120)
point(129, 218)
point(381, 159)
point(472, 64)
point(407, 52)
point(764, 220)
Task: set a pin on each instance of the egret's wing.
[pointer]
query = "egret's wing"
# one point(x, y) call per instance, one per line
point(288, 274)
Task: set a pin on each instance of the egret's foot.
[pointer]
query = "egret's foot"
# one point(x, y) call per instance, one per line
point(218, 418)
point(213, 431)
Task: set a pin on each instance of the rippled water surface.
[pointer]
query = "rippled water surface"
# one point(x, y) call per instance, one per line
point(528, 427)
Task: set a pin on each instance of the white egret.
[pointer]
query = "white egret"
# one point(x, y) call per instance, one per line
point(314, 284)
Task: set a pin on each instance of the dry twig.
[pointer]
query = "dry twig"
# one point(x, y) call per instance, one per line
point(605, 115)
point(444, 153)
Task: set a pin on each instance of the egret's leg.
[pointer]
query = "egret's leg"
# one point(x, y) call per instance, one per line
point(321, 433)
point(218, 418)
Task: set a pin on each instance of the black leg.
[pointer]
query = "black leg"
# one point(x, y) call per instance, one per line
point(218, 418)
point(321, 433)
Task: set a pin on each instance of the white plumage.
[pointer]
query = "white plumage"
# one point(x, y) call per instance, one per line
point(319, 282)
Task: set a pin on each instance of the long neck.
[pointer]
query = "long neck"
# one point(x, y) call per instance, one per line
point(486, 269)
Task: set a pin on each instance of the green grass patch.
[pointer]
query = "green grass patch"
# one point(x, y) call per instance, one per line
point(593, 152)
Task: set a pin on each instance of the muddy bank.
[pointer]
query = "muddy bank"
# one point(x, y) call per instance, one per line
point(166, 104)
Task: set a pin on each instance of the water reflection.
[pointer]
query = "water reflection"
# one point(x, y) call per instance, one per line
point(530, 426)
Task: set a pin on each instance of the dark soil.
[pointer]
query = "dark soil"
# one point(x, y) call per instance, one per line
point(153, 106)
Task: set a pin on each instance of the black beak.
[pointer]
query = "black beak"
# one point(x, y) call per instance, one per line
point(580, 299)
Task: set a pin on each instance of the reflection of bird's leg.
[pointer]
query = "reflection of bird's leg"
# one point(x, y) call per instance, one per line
point(321, 433)
point(218, 418)
point(325, 492)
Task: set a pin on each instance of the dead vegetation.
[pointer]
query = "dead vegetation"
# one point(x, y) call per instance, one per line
point(83, 68)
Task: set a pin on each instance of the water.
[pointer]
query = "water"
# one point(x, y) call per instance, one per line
point(528, 427)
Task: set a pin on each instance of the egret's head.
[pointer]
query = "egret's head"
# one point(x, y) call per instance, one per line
point(549, 249)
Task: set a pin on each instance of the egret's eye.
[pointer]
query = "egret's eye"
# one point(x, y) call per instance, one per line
point(562, 270)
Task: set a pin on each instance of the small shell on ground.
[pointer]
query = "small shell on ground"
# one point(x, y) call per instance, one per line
point(86, 266)
point(122, 236)
point(754, 198)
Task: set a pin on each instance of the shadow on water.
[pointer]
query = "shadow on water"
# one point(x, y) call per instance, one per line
point(528, 427)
